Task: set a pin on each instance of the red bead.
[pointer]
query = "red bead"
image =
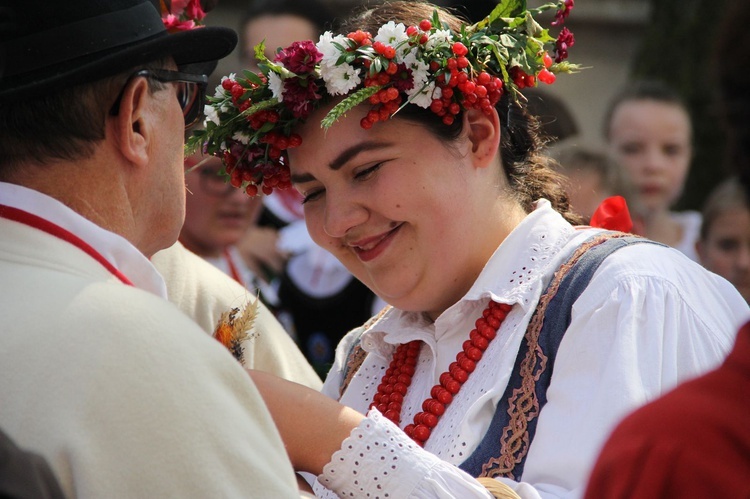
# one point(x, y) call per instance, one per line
point(404, 378)
point(445, 397)
point(481, 343)
point(395, 397)
point(409, 430)
point(382, 408)
point(392, 415)
point(461, 375)
point(493, 322)
point(488, 333)
point(421, 432)
point(445, 378)
point(474, 353)
point(430, 420)
point(453, 386)
point(435, 391)
point(400, 388)
point(437, 408)
point(467, 364)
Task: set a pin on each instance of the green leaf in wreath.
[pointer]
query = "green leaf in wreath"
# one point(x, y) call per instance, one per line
point(347, 104)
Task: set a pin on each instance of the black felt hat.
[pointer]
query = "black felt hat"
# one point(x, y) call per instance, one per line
point(47, 45)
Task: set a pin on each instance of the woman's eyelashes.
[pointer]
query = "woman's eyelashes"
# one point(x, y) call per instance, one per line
point(311, 196)
point(359, 176)
point(368, 172)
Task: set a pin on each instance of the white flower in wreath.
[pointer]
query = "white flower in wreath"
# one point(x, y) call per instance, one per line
point(423, 96)
point(341, 79)
point(393, 34)
point(241, 137)
point(276, 84)
point(439, 37)
point(211, 114)
point(420, 72)
point(326, 46)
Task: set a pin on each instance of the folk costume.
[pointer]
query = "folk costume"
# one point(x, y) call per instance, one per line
point(521, 380)
point(648, 319)
point(690, 223)
point(203, 292)
point(121, 404)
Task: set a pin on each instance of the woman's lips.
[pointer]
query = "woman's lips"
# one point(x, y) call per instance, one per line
point(370, 248)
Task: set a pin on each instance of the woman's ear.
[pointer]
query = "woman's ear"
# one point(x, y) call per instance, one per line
point(131, 125)
point(484, 134)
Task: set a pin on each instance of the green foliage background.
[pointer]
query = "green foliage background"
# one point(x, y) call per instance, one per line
point(678, 48)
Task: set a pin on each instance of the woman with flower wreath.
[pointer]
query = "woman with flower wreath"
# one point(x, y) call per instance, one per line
point(516, 338)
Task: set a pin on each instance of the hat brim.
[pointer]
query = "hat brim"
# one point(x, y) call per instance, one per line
point(202, 46)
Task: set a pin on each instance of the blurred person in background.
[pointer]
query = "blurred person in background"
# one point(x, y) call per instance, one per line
point(649, 134)
point(592, 177)
point(694, 442)
point(724, 244)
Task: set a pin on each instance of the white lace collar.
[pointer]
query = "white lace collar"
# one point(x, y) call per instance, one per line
point(512, 275)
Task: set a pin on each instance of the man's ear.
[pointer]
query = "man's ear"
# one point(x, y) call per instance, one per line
point(131, 124)
point(484, 135)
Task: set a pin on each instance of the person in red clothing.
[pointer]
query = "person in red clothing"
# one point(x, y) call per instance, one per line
point(695, 440)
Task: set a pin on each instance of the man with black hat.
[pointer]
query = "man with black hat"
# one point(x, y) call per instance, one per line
point(117, 389)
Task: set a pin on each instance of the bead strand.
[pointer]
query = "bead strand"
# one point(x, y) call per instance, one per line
point(397, 379)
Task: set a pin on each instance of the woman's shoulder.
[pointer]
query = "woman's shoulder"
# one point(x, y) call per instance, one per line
point(661, 272)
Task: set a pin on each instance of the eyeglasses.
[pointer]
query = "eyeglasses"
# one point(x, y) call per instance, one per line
point(191, 91)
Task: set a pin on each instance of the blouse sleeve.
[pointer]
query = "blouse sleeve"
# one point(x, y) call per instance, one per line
point(379, 460)
point(649, 320)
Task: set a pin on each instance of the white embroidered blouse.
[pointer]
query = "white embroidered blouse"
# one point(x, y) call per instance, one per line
point(649, 319)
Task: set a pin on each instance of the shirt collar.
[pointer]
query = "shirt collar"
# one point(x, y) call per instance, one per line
point(113, 247)
point(512, 275)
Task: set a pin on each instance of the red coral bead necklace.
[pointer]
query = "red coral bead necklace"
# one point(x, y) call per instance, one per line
point(397, 378)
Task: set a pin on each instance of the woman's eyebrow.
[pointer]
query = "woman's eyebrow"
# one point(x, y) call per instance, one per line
point(345, 156)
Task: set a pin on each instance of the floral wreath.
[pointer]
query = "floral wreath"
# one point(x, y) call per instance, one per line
point(249, 120)
point(181, 15)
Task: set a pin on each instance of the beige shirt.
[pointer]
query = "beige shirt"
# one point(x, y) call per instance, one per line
point(204, 292)
point(121, 392)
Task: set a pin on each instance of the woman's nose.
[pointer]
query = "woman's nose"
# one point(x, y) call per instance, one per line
point(342, 213)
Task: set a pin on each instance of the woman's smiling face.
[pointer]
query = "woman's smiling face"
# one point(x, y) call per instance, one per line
point(393, 203)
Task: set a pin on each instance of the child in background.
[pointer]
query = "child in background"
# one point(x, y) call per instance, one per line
point(592, 177)
point(649, 134)
point(724, 244)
